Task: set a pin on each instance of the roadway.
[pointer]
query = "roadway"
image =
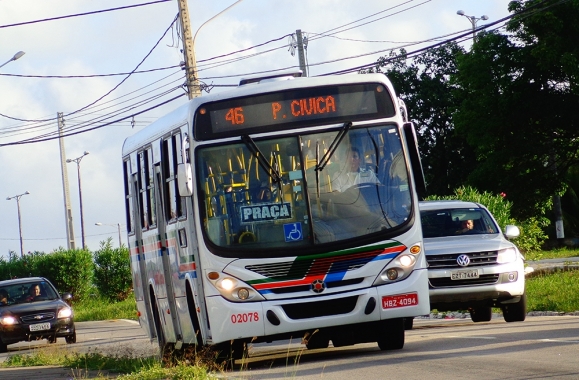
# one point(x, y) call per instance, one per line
point(541, 347)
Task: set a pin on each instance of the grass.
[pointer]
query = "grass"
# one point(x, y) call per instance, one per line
point(558, 253)
point(558, 291)
point(125, 366)
point(98, 309)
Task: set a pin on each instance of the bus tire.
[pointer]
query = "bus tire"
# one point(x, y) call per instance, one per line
point(391, 334)
point(317, 340)
point(228, 352)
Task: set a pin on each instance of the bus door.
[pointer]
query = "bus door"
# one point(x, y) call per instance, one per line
point(167, 306)
point(137, 253)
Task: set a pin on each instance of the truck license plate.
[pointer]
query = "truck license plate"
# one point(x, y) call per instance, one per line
point(464, 274)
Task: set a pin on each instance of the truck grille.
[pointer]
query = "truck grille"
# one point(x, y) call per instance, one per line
point(449, 260)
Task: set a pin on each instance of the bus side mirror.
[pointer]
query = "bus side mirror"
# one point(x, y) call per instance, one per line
point(412, 144)
point(185, 180)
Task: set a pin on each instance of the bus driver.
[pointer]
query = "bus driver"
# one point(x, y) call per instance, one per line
point(353, 174)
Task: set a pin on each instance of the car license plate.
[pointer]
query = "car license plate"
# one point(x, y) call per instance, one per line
point(399, 300)
point(464, 274)
point(40, 326)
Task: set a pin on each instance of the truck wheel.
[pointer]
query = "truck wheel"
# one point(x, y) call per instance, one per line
point(481, 314)
point(516, 312)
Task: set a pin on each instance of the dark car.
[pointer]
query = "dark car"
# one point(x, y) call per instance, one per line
point(32, 309)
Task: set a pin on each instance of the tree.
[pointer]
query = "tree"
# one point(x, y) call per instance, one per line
point(424, 85)
point(518, 106)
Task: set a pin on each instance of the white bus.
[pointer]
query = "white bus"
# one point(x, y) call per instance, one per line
point(286, 207)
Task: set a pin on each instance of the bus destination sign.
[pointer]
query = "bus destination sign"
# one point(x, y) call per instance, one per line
point(289, 109)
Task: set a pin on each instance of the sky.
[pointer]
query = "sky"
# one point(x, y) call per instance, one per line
point(69, 62)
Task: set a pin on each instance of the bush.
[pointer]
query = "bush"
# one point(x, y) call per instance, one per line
point(532, 235)
point(69, 270)
point(112, 272)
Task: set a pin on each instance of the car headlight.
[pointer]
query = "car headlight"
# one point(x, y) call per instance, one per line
point(8, 320)
point(65, 312)
point(508, 255)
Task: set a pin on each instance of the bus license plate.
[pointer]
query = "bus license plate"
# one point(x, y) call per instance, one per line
point(40, 327)
point(400, 300)
point(464, 274)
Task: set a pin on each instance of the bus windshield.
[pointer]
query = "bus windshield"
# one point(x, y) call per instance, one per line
point(286, 199)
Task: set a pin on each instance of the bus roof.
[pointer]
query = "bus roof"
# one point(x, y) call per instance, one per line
point(185, 112)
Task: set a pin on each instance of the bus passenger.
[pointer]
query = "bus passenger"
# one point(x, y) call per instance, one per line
point(354, 174)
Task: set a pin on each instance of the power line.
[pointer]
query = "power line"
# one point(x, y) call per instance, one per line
point(83, 14)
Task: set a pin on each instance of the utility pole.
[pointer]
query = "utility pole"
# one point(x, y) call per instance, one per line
point(188, 51)
point(301, 55)
point(67, 208)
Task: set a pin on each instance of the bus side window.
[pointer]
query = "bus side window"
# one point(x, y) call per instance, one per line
point(146, 189)
point(173, 203)
point(129, 212)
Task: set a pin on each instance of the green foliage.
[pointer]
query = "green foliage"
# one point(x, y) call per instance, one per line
point(101, 309)
point(112, 272)
point(69, 270)
point(532, 236)
point(557, 291)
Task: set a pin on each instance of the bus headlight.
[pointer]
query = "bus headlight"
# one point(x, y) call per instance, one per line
point(400, 267)
point(233, 289)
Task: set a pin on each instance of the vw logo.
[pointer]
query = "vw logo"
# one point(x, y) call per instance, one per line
point(463, 260)
point(318, 286)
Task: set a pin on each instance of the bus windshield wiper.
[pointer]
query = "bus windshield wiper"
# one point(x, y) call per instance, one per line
point(333, 146)
point(263, 162)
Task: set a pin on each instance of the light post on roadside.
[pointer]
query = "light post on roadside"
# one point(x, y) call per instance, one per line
point(118, 225)
point(473, 20)
point(14, 58)
point(17, 197)
point(77, 160)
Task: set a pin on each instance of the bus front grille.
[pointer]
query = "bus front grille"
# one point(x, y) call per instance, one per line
point(317, 309)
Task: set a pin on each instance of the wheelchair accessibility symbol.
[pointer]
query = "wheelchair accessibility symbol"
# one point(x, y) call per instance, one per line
point(293, 231)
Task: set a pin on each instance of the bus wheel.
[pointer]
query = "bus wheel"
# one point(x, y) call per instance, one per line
point(391, 335)
point(229, 352)
point(317, 340)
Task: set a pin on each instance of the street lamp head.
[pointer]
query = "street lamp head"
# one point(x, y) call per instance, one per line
point(68, 160)
point(98, 224)
point(86, 151)
point(460, 12)
point(18, 55)
point(26, 193)
point(484, 17)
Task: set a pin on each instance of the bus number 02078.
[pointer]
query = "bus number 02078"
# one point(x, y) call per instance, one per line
point(245, 317)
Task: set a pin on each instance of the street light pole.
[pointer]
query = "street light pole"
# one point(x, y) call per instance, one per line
point(473, 20)
point(14, 58)
point(77, 160)
point(112, 225)
point(17, 197)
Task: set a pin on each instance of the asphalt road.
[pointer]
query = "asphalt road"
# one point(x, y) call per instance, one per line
point(541, 347)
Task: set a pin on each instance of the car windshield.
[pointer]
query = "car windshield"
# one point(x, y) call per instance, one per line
point(26, 292)
point(457, 222)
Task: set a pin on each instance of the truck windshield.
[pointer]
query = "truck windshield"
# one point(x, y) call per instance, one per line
point(361, 190)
